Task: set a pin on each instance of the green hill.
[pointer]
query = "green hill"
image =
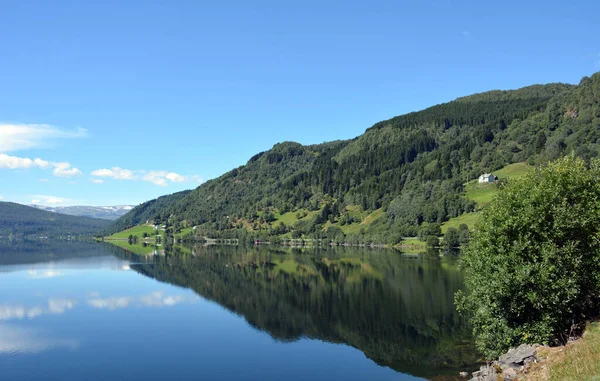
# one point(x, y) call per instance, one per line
point(398, 175)
point(20, 221)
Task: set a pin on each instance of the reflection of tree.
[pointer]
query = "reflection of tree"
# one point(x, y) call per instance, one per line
point(398, 311)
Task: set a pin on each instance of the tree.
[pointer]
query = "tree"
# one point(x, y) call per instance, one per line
point(533, 264)
point(464, 235)
point(451, 239)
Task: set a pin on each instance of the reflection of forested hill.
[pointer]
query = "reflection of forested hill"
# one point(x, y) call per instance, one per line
point(398, 311)
point(36, 251)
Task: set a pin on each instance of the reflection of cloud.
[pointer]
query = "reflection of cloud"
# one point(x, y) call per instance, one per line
point(55, 307)
point(28, 341)
point(35, 274)
point(155, 299)
point(110, 303)
point(59, 306)
point(158, 299)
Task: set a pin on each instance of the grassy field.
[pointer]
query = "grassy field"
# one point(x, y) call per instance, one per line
point(470, 219)
point(577, 361)
point(367, 220)
point(412, 245)
point(136, 230)
point(482, 194)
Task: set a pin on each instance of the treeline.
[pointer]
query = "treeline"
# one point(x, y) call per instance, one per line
point(412, 168)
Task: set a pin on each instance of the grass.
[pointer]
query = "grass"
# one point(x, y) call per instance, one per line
point(138, 230)
point(183, 232)
point(366, 221)
point(470, 219)
point(579, 360)
point(482, 194)
point(412, 245)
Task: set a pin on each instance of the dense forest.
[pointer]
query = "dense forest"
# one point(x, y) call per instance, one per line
point(406, 175)
point(20, 221)
point(358, 297)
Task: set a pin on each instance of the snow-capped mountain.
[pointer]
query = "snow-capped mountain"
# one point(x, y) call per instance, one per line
point(104, 212)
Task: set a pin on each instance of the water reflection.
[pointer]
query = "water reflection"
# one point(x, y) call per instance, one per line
point(64, 310)
point(18, 340)
point(397, 310)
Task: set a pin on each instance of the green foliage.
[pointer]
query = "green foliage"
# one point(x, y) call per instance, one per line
point(20, 221)
point(533, 265)
point(451, 239)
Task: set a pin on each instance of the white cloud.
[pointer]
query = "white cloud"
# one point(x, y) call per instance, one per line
point(1, 198)
point(61, 169)
point(162, 178)
point(175, 177)
point(97, 181)
point(15, 137)
point(48, 200)
point(14, 162)
point(117, 173)
point(65, 170)
point(43, 180)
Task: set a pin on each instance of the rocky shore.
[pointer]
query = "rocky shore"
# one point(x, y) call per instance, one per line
point(508, 366)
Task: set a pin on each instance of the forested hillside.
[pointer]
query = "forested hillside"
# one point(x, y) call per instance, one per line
point(402, 177)
point(20, 221)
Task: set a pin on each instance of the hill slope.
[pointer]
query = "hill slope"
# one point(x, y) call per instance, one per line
point(18, 220)
point(408, 171)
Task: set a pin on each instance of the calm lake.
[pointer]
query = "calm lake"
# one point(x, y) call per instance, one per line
point(93, 311)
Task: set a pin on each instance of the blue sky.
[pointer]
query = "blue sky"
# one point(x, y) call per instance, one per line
point(124, 101)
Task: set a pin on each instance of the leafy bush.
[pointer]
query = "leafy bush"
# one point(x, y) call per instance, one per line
point(533, 265)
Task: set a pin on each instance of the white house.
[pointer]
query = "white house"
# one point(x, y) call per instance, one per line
point(487, 178)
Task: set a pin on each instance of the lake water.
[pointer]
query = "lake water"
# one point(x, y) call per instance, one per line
point(91, 311)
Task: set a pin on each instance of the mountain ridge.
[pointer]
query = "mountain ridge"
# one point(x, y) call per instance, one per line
point(412, 168)
point(102, 212)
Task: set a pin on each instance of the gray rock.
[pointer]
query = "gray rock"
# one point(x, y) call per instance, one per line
point(485, 373)
point(509, 374)
point(516, 357)
point(464, 374)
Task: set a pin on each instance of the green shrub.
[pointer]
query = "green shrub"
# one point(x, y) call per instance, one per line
point(533, 265)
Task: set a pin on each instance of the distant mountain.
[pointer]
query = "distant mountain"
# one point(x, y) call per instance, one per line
point(21, 221)
point(103, 212)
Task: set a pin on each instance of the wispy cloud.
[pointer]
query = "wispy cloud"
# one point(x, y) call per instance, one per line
point(48, 200)
point(60, 169)
point(16, 137)
point(466, 33)
point(97, 181)
point(1, 198)
point(43, 180)
point(117, 173)
point(162, 178)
